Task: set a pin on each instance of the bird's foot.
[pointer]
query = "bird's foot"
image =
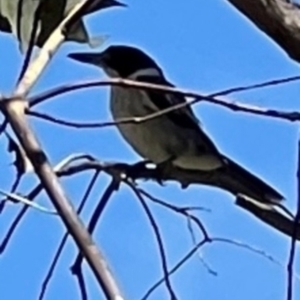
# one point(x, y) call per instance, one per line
point(163, 169)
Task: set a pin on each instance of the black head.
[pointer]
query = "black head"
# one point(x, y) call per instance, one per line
point(118, 60)
point(96, 6)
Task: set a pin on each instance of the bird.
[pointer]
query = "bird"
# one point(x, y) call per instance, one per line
point(176, 141)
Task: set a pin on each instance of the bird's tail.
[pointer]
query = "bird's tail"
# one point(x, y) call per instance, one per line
point(257, 197)
point(252, 193)
point(237, 180)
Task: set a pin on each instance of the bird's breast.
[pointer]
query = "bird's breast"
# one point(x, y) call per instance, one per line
point(151, 139)
point(158, 139)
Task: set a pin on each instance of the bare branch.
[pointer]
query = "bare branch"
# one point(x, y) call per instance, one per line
point(250, 248)
point(72, 124)
point(35, 192)
point(185, 211)
point(269, 213)
point(17, 198)
point(3, 125)
point(15, 113)
point(76, 266)
point(67, 88)
point(294, 237)
point(199, 245)
point(18, 218)
point(175, 268)
point(64, 239)
point(211, 98)
point(279, 19)
point(158, 238)
point(13, 188)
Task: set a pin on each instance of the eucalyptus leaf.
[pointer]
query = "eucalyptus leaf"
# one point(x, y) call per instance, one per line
point(34, 20)
point(4, 24)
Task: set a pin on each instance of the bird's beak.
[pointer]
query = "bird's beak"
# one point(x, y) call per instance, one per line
point(117, 3)
point(88, 58)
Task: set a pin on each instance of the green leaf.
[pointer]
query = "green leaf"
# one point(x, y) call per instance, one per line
point(34, 20)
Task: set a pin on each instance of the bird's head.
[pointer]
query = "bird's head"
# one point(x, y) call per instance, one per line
point(120, 61)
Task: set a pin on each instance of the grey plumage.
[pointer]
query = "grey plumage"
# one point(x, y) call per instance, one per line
point(177, 138)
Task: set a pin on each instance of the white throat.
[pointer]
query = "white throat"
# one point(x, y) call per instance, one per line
point(145, 72)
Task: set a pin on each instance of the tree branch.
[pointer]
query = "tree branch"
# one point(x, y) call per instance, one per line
point(294, 237)
point(279, 19)
point(158, 239)
point(268, 213)
point(76, 266)
point(15, 113)
point(64, 207)
point(211, 98)
point(64, 239)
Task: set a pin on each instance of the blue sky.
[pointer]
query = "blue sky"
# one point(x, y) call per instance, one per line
point(201, 47)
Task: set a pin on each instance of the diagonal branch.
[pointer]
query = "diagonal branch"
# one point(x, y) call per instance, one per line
point(76, 267)
point(64, 239)
point(294, 238)
point(158, 238)
point(279, 19)
point(175, 268)
point(59, 170)
point(63, 206)
point(276, 216)
point(185, 211)
point(72, 124)
point(211, 98)
point(67, 88)
point(15, 113)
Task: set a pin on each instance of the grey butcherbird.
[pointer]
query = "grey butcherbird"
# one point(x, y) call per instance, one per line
point(176, 137)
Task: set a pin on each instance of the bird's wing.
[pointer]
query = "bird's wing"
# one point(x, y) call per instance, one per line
point(183, 117)
point(238, 180)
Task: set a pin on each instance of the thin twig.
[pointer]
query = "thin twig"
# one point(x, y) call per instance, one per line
point(64, 239)
point(76, 266)
point(81, 284)
point(180, 210)
point(158, 238)
point(175, 268)
point(14, 187)
point(72, 124)
point(190, 253)
point(200, 255)
point(28, 202)
point(62, 165)
point(113, 186)
point(211, 98)
point(3, 124)
point(290, 264)
point(15, 113)
point(250, 248)
point(66, 88)
point(18, 218)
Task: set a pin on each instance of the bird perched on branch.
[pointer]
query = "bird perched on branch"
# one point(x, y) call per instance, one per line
point(176, 139)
